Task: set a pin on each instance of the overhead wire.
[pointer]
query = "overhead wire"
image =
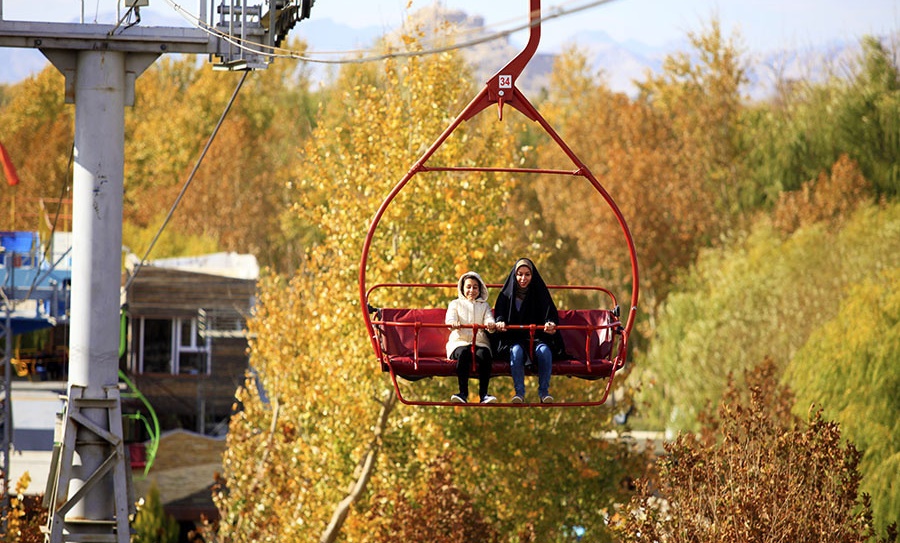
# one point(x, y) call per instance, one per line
point(137, 13)
point(280, 52)
point(556, 12)
point(65, 188)
point(190, 178)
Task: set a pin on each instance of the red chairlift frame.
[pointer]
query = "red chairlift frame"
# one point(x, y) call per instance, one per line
point(500, 89)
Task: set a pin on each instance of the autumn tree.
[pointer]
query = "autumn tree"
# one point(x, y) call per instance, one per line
point(702, 101)
point(607, 132)
point(311, 354)
point(245, 173)
point(792, 298)
point(438, 511)
point(754, 473)
point(24, 517)
point(670, 159)
point(38, 132)
point(320, 433)
point(178, 103)
point(830, 198)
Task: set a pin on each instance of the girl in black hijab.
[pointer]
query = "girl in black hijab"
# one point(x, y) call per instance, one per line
point(525, 299)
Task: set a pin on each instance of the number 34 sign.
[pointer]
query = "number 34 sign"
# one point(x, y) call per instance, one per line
point(505, 81)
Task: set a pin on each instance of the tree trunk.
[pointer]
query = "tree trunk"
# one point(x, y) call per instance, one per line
point(365, 468)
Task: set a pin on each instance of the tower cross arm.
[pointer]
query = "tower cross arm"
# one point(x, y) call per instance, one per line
point(105, 37)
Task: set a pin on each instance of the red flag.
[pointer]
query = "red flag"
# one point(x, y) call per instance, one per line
point(8, 169)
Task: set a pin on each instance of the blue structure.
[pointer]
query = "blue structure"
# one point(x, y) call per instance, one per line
point(35, 292)
point(33, 296)
point(18, 248)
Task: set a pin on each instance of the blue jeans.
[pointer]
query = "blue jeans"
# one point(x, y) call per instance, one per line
point(517, 357)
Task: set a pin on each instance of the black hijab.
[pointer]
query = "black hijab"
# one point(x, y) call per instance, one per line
point(537, 305)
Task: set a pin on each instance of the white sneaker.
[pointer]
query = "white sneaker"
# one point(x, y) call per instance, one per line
point(457, 398)
point(517, 399)
point(547, 399)
point(488, 399)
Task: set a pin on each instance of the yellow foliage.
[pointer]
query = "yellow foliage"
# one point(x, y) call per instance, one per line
point(292, 453)
point(311, 405)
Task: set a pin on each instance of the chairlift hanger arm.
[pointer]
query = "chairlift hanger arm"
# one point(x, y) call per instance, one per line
point(501, 87)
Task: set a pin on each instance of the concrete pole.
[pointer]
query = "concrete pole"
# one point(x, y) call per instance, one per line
point(98, 186)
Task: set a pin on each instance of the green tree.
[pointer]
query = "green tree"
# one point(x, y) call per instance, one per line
point(855, 379)
point(868, 117)
point(761, 295)
point(808, 125)
point(755, 473)
point(152, 524)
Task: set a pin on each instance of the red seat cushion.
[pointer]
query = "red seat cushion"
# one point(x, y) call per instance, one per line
point(589, 350)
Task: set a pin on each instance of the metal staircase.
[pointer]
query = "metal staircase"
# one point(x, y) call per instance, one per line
point(95, 423)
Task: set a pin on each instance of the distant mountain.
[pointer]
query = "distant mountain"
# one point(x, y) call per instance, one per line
point(620, 63)
point(324, 35)
point(812, 64)
point(17, 64)
point(327, 35)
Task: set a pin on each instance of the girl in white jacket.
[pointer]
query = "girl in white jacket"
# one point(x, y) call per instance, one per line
point(470, 308)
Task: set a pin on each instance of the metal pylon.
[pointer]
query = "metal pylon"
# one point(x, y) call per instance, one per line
point(79, 427)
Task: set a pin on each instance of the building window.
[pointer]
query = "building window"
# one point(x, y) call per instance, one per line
point(172, 346)
point(192, 351)
point(156, 346)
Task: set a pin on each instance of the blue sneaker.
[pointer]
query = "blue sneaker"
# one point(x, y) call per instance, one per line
point(517, 399)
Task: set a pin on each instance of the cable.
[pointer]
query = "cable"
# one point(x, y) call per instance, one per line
point(278, 52)
point(65, 188)
point(287, 53)
point(41, 277)
point(137, 14)
point(188, 182)
point(152, 431)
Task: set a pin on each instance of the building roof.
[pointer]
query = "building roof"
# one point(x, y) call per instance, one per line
point(238, 266)
point(184, 471)
point(171, 292)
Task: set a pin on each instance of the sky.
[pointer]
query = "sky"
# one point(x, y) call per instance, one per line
point(763, 25)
